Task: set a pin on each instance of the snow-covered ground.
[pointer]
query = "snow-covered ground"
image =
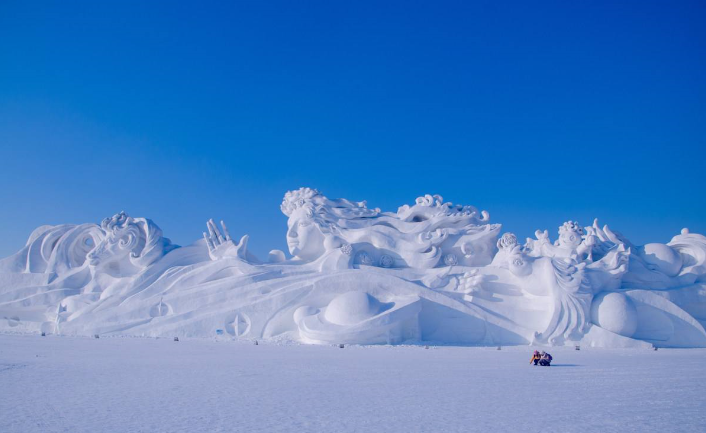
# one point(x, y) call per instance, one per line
point(74, 384)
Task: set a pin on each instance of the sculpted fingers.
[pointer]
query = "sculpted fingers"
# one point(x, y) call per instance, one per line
point(213, 231)
point(225, 230)
point(209, 244)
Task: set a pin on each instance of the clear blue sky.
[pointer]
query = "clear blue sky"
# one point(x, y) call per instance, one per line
point(181, 112)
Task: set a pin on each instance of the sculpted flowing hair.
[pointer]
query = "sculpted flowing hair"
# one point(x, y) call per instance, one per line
point(141, 236)
point(416, 236)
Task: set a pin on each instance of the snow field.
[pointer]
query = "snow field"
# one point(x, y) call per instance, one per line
point(121, 384)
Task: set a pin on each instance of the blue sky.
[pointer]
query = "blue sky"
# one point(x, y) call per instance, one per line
point(185, 111)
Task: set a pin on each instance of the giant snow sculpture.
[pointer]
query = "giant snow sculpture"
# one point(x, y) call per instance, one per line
point(432, 272)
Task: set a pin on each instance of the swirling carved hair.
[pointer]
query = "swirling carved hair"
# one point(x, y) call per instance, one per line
point(142, 236)
point(327, 213)
point(571, 227)
point(414, 234)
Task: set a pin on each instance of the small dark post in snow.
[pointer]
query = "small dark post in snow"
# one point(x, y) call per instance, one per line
point(499, 348)
point(176, 338)
point(341, 346)
point(578, 347)
point(655, 348)
point(255, 342)
point(96, 336)
point(426, 347)
point(44, 334)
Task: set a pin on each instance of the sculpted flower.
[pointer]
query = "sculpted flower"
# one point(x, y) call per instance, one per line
point(507, 241)
point(386, 261)
point(450, 259)
point(347, 249)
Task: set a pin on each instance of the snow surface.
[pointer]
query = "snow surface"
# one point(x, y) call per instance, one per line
point(122, 384)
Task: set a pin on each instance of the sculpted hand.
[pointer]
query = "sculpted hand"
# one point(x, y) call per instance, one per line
point(219, 244)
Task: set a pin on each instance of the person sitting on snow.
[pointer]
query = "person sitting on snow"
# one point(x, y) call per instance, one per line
point(535, 357)
point(545, 359)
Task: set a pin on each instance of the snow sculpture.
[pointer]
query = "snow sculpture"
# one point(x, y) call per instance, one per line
point(564, 265)
point(425, 235)
point(128, 246)
point(615, 312)
point(54, 250)
point(429, 272)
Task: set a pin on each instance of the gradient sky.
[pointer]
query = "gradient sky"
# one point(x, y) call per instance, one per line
point(181, 112)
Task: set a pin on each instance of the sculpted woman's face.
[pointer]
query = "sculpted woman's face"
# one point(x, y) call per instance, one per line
point(112, 254)
point(304, 238)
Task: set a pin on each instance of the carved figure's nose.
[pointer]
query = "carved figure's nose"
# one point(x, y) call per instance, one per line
point(292, 233)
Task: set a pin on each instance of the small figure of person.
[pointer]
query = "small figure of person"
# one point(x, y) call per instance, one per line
point(535, 357)
point(545, 359)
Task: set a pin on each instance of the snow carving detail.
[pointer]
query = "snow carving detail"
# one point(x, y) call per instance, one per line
point(432, 271)
point(415, 236)
point(129, 246)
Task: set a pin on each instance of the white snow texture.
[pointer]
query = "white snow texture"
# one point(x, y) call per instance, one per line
point(121, 384)
point(432, 272)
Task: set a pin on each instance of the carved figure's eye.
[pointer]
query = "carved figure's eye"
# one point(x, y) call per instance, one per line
point(572, 238)
point(304, 223)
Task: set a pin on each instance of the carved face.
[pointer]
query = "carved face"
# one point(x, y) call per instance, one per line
point(304, 238)
point(569, 239)
point(112, 255)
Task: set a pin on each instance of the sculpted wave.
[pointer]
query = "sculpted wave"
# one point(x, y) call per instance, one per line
point(432, 272)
